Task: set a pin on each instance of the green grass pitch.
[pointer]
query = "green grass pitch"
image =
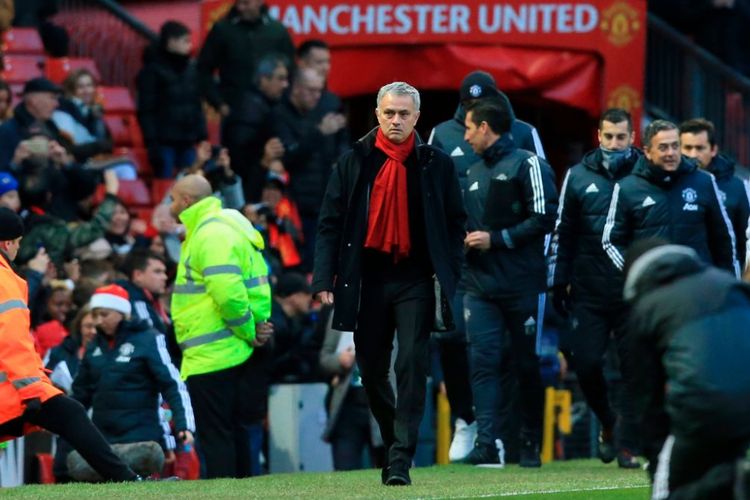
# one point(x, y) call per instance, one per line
point(575, 479)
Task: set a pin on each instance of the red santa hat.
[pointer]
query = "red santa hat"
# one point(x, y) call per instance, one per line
point(111, 297)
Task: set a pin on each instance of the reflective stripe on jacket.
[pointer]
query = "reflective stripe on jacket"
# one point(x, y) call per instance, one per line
point(21, 370)
point(221, 289)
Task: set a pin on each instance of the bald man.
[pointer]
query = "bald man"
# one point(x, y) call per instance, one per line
point(313, 141)
point(220, 306)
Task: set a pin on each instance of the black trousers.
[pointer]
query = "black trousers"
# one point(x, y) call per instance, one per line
point(690, 469)
point(67, 418)
point(352, 434)
point(591, 330)
point(223, 440)
point(406, 307)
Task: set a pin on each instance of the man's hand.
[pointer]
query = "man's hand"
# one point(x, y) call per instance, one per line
point(273, 150)
point(186, 437)
point(325, 298)
point(111, 182)
point(40, 262)
point(478, 239)
point(31, 407)
point(263, 332)
point(346, 359)
point(169, 457)
point(59, 155)
point(225, 110)
point(73, 269)
point(225, 162)
point(22, 153)
point(332, 123)
point(202, 153)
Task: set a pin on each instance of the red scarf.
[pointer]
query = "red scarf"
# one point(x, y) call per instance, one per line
point(388, 223)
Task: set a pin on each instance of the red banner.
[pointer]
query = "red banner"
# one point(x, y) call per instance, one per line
point(612, 31)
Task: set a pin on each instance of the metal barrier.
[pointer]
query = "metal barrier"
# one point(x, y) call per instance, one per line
point(685, 81)
point(107, 33)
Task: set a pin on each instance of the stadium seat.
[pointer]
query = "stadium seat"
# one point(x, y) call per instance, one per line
point(134, 193)
point(21, 68)
point(56, 69)
point(125, 130)
point(22, 41)
point(140, 159)
point(116, 100)
point(143, 213)
point(160, 188)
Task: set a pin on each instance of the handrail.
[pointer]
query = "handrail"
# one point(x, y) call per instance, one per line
point(116, 9)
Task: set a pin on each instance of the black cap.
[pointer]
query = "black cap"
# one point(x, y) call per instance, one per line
point(11, 225)
point(476, 85)
point(291, 283)
point(41, 84)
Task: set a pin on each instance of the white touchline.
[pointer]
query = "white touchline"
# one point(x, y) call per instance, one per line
point(541, 492)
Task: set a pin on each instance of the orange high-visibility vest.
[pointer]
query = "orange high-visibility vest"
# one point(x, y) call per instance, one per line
point(22, 374)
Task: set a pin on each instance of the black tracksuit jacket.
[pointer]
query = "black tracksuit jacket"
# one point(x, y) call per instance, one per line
point(734, 193)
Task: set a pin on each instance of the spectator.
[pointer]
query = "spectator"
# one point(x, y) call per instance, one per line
point(295, 349)
point(52, 317)
point(169, 103)
point(220, 307)
point(6, 101)
point(698, 141)
point(124, 371)
point(688, 335)
point(37, 14)
point(9, 192)
point(117, 240)
point(146, 281)
point(311, 146)
point(235, 46)
point(80, 116)
point(351, 428)
point(251, 132)
point(215, 165)
point(316, 54)
point(668, 197)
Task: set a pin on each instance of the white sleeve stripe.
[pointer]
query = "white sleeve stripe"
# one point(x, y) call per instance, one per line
point(538, 144)
point(535, 173)
point(609, 248)
point(161, 345)
point(730, 229)
point(555, 239)
point(142, 309)
point(563, 191)
point(432, 136)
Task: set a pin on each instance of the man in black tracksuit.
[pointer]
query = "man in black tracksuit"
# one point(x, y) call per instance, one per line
point(379, 286)
point(669, 197)
point(449, 137)
point(587, 287)
point(698, 141)
point(124, 370)
point(688, 334)
point(511, 201)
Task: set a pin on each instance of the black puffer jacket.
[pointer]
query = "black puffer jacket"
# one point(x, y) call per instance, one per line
point(688, 333)
point(577, 255)
point(683, 207)
point(449, 138)
point(342, 225)
point(734, 194)
point(169, 102)
point(122, 384)
point(515, 263)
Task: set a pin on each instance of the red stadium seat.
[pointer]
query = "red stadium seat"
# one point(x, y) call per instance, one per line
point(19, 69)
point(160, 188)
point(134, 193)
point(143, 213)
point(140, 159)
point(116, 100)
point(56, 69)
point(125, 130)
point(22, 41)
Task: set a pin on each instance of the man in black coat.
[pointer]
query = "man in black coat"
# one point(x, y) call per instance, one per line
point(698, 141)
point(669, 197)
point(312, 144)
point(587, 286)
point(688, 335)
point(511, 200)
point(448, 136)
point(389, 242)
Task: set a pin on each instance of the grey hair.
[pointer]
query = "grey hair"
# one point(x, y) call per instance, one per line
point(399, 88)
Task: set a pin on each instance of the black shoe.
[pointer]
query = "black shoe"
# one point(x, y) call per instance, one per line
point(530, 454)
point(607, 450)
point(626, 460)
point(384, 474)
point(481, 454)
point(398, 475)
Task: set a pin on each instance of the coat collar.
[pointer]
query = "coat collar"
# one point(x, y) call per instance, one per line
point(366, 144)
point(194, 215)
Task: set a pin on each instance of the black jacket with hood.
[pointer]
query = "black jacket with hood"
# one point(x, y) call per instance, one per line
point(736, 197)
point(683, 207)
point(577, 256)
point(688, 335)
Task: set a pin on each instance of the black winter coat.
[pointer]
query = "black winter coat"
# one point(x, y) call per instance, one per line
point(682, 207)
point(66, 352)
point(449, 138)
point(578, 258)
point(515, 264)
point(342, 226)
point(734, 193)
point(234, 47)
point(170, 111)
point(122, 384)
point(688, 333)
point(309, 155)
